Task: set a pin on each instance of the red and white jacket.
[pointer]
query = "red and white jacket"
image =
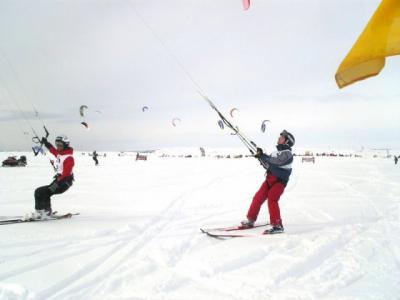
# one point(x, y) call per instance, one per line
point(64, 162)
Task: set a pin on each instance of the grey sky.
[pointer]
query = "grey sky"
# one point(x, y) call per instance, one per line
point(275, 61)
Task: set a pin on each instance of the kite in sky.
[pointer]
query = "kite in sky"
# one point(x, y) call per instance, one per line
point(246, 4)
point(380, 39)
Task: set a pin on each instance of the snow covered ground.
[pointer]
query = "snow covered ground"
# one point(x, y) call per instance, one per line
point(138, 233)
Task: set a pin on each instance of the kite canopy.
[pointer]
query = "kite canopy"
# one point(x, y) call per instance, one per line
point(82, 110)
point(175, 120)
point(144, 108)
point(232, 111)
point(380, 39)
point(246, 4)
point(85, 124)
point(263, 125)
point(221, 124)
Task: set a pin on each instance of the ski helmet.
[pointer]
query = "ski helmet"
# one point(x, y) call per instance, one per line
point(63, 139)
point(289, 138)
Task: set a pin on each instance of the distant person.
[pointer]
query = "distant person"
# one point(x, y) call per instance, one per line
point(95, 155)
point(62, 180)
point(396, 159)
point(279, 168)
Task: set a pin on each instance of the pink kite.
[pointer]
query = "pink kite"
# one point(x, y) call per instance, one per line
point(246, 4)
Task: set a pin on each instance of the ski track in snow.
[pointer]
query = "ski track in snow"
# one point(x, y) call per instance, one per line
point(131, 245)
point(341, 218)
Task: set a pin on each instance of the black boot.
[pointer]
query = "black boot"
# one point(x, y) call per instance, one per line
point(275, 229)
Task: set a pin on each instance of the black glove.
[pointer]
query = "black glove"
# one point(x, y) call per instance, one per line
point(44, 140)
point(259, 153)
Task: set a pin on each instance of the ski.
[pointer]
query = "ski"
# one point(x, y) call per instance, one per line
point(234, 235)
point(233, 228)
point(13, 218)
point(5, 218)
point(228, 235)
point(53, 218)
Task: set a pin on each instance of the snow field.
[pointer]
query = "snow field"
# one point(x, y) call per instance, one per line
point(138, 233)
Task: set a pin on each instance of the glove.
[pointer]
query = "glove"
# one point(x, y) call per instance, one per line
point(259, 153)
point(44, 140)
point(53, 186)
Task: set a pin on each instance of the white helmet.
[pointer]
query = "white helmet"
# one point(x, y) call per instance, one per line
point(63, 139)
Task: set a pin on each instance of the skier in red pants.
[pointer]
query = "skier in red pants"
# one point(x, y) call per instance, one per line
point(279, 168)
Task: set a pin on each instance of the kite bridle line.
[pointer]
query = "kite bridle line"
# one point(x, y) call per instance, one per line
point(251, 146)
point(36, 139)
point(248, 143)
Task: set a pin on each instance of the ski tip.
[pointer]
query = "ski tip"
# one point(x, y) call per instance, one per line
point(220, 236)
point(214, 235)
point(69, 215)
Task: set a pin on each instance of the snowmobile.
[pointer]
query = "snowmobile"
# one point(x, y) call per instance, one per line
point(12, 161)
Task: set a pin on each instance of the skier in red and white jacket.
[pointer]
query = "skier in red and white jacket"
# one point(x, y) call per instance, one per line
point(62, 180)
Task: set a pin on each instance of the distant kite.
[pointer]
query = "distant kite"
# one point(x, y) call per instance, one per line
point(174, 120)
point(81, 110)
point(85, 124)
point(144, 108)
point(263, 125)
point(233, 110)
point(246, 4)
point(221, 124)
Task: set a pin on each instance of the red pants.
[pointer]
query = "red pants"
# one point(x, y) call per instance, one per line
point(272, 190)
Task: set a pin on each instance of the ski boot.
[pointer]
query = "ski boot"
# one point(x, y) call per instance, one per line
point(275, 229)
point(247, 223)
point(39, 214)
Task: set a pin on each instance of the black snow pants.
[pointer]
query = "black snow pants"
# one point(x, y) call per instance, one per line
point(43, 193)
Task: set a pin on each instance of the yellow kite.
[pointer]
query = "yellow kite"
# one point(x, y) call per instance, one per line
point(379, 39)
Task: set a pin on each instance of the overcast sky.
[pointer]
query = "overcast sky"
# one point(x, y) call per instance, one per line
point(275, 61)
